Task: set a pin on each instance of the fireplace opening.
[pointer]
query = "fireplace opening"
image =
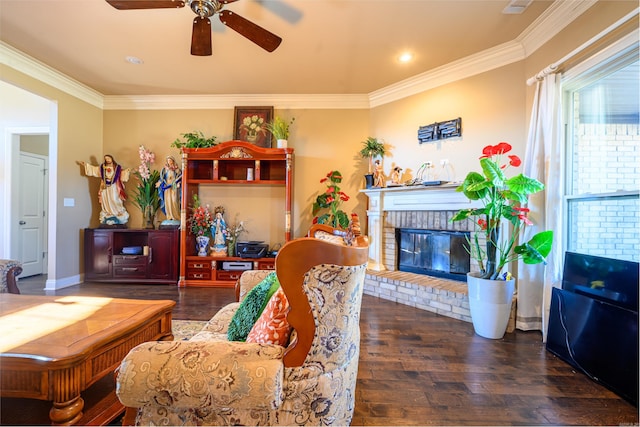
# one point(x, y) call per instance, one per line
point(438, 253)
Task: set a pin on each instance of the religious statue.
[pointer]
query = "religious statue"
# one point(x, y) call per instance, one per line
point(169, 191)
point(111, 194)
point(219, 232)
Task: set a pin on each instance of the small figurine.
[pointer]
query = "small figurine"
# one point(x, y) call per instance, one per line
point(219, 232)
point(378, 175)
point(395, 175)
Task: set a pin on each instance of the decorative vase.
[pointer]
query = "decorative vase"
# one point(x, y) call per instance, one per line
point(368, 180)
point(281, 143)
point(202, 245)
point(490, 304)
point(148, 217)
point(231, 248)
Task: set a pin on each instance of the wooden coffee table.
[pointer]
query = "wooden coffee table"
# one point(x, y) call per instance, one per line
point(54, 348)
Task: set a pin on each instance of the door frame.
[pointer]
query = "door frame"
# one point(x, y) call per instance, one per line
point(12, 152)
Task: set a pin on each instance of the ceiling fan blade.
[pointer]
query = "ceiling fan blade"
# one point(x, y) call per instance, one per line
point(263, 38)
point(201, 37)
point(145, 4)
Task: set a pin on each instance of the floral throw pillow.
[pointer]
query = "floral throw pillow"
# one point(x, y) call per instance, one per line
point(272, 326)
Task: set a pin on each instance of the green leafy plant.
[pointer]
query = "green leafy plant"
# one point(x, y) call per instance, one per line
point(372, 147)
point(331, 199)
point(503, 200)
point(195, 139)
point(279, 128)
point(146, 195)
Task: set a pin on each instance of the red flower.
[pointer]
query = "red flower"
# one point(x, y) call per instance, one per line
point(323, 180)
point(494, 150)
point(515, 161)
point(503, 147)
point(482, 223)
point(524, 218)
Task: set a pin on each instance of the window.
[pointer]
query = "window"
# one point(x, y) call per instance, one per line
point(601, 107)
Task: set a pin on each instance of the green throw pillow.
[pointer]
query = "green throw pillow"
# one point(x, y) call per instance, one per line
point(251, 307)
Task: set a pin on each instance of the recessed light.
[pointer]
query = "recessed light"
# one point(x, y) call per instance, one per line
point(405, 57)
point(134, 60)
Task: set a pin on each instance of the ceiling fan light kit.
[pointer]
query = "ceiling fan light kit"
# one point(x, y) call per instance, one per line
point(201, 33)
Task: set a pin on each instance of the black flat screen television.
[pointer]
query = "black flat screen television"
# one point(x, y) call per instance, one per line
point(593, 321)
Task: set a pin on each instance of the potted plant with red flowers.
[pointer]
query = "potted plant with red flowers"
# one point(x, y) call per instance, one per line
point(331, 200)
point(503, 208)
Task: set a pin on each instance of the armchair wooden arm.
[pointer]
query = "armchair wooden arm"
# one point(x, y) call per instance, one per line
point(294, 260)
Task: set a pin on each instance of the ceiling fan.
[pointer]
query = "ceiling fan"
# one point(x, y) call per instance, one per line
point(204, 9)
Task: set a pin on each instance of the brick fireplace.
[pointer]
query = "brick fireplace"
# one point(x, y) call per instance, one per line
point(415, 207)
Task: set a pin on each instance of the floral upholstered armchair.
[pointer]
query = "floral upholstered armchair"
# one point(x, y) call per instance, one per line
point(311, 380)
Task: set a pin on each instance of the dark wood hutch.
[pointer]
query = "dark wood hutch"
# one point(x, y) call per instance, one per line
point(224, 164)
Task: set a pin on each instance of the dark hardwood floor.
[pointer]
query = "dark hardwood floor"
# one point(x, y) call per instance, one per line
point(419, 368)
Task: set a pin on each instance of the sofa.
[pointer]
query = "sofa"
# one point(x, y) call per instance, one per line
point(309, 380)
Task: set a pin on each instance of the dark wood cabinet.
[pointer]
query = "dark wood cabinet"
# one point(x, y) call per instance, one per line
point(129, 255)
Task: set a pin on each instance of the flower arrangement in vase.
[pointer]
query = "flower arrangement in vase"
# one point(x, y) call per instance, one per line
point(200, 223)
point(233, 233)
point(146, 195)
point(331, 200)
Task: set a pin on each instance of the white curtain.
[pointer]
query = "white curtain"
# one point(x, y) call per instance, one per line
point(543, 161)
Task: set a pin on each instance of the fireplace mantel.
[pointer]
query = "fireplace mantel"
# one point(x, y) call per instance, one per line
point(406, 199)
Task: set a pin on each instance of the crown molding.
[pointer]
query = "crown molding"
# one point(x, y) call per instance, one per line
point(480, 62)
point(557, 16)
point(30, 66)
point(551, 22)
point(216, 102)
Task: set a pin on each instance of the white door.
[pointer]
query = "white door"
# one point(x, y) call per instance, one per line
point(31, 214)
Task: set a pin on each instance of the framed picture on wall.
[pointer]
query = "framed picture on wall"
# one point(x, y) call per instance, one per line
point(250, 124)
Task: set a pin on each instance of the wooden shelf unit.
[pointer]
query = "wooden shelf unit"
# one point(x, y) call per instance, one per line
point(228, 163)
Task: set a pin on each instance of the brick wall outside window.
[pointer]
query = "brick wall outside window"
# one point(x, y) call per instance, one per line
point(606, 160)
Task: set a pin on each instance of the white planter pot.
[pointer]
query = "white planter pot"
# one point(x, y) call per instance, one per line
point(281, 143)
point(490, 305)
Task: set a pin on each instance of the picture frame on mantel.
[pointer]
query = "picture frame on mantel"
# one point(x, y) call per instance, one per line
point(249, 124)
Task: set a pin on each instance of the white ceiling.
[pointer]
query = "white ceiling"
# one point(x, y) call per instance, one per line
point(329, 46)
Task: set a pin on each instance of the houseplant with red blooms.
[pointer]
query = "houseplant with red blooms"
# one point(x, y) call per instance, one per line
point(503, 200)
point(331, 199)
point(201, 220)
